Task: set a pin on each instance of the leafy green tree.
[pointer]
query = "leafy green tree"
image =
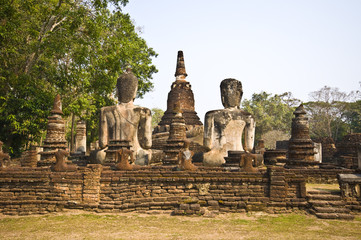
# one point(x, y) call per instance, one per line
point(75, 48)
point(157, 115)
point(271, 112)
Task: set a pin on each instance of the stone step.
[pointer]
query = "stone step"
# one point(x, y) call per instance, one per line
point(323, 192)
point(344, 216)
point(322, 203)
point(358, 208)
point(331, 209)
point(327, 197)
point(328, 205)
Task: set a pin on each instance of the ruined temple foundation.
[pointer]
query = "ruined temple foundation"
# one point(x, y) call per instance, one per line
point(55, 135)
point(300, 147)
point(180, 95)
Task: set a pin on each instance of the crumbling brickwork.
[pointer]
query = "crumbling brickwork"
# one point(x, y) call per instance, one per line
point(39, 190)
point(350, 186)
point(347, 150)
point(325, 176)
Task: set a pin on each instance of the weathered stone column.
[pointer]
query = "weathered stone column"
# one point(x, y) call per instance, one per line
point(175, 142)
point(318, 151)
point(80, 138)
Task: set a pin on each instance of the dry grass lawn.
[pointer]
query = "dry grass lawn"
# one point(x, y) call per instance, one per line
point(257, 225)
point(85, 225)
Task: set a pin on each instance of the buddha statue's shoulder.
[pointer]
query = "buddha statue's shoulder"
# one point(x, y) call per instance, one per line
point(214, 112)
point(247, 114)
point(142, 110)
point(108, 108)
point(226, 111)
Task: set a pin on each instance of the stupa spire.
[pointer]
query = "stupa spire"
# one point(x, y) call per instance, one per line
point(180, 72)
point(180, 97)
point(57, 107)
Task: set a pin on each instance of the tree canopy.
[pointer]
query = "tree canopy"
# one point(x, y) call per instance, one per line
point(157, 115)
point(333, 113)
point(76, 48)
point(271, 112)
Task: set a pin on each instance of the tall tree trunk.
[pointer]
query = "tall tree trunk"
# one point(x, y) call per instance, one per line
point(72, 133)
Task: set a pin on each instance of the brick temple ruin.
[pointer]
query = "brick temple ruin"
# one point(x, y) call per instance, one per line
point(180, 96)
point(238, 177)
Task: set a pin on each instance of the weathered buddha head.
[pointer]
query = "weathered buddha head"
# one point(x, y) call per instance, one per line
point(127, 86)
point(231, 93)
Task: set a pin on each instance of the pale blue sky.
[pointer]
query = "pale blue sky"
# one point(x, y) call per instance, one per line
point(269, 45)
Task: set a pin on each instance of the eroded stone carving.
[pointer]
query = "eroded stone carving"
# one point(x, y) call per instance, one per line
point(60, 164)
point(247, 162)
point(124, 156)
point(223, 129)
point(185, 157)
point(126, 122)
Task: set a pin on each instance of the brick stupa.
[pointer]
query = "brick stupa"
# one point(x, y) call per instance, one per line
point(300, 149)
point(55, 135)
point(181, 95)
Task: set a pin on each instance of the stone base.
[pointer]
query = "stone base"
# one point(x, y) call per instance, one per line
point(233, 159)
point(171, 154)
point(113, 147)
point(296, 163)
point(272, 157)
point(301, 149)
point(80, 159)
point(47, 158)
point(190, 117)
point(171, 158)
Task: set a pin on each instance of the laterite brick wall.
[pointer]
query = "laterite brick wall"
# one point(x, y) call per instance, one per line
point(39, 190)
